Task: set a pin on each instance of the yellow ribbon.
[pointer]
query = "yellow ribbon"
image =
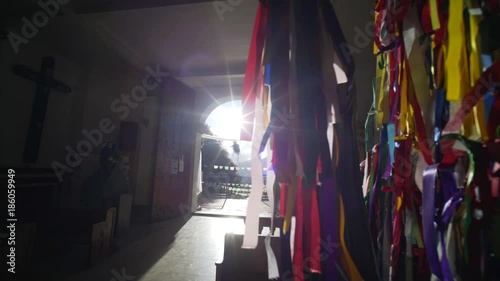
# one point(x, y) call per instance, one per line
point(407, 91)
point(382, 93)
point(265, 105)
point(457, 69)
point(434, 15)
point(347, 262)
point(476, 67)
point(290, 203)
point(375, 48)
point(404, 113)
point(336, 149)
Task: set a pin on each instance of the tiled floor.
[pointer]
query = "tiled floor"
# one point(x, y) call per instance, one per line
point(179, 251)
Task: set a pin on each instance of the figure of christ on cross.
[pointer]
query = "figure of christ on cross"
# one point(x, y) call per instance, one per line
point(44, 83)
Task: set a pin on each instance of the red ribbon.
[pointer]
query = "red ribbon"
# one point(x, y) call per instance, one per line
point(426, 21)
point(312, 235)
point(252, 82)
point(298, 253)
point(419, 124)
point(487, 80)
point(494, 118)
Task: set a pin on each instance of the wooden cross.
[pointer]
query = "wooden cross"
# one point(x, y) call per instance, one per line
point(44, 83)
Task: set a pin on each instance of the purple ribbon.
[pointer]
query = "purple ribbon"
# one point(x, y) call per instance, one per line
point(328, 198)
point(445, 220)
point(453, 197)
point(428, 224)
point(448, 183)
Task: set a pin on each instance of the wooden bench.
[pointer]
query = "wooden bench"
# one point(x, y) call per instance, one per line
point(60, 229)
point(244, 264)
point(36, 187)
point(39, 202)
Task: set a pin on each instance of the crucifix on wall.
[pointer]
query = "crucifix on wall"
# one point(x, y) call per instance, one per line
point(44, 83)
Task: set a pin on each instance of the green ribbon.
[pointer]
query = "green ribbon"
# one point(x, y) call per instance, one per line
point(381, 63)
point(370, 121)
point(370, 181)
point(370, 131)
point(470, 175)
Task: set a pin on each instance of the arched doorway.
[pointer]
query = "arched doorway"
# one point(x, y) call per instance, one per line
point(225, 120)
point(225, 162)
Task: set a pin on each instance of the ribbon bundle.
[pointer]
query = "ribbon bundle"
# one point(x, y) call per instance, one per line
point(432, 141)
point(299, 96)
point(431, 180)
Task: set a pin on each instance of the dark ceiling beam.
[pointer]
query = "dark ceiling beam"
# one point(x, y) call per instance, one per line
point(15, 9)
point(17, 14)
point(101, 6)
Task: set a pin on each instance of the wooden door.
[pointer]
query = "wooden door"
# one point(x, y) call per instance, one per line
point(172, 192)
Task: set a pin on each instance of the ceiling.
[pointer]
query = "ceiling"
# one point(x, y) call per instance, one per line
point(194, 42)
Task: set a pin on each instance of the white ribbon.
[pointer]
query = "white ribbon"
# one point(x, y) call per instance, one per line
point(450, 250)
point(419, 170)
point(250, 240)
point(408, 235)
point(272, 263)
point(412, 30)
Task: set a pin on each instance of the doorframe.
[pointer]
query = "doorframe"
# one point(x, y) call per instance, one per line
point(196, 172)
